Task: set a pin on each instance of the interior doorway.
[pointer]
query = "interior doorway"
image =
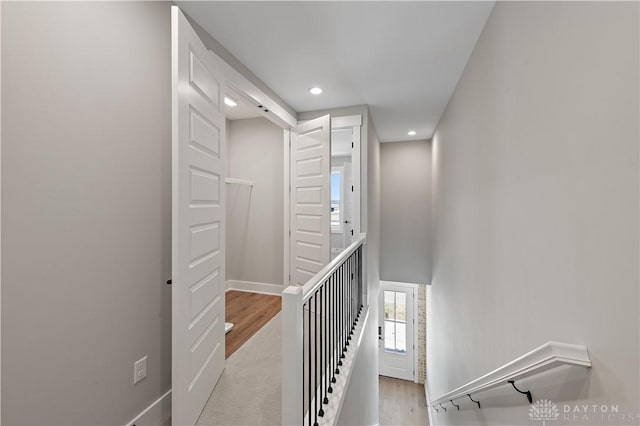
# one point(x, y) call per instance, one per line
point(397, 330)
point(345, 182)
point(201, 82)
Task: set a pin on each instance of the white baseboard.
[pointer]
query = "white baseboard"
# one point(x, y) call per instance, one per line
point(428, 400)
point(156, 414)
point(262, 288)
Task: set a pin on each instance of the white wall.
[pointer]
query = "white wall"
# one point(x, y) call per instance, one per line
point(86, 210)
point(536, 197)
point(405, 215)
point(255, 216)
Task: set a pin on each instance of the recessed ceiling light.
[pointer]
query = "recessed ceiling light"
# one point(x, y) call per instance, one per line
point(315, 90)
point(412, 133)
point(230, 102)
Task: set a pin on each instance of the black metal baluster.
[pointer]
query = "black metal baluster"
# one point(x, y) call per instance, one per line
point(360, 277)
point(353, 292)
point(344, 319)
point(360, 289)
point(315, 358)
point(320, 369)
point(346, 306)
point(335, 326)
point(341, 314)
point(331, 335)
point(349, 300)
point(355, 284)
point(304, 382)
point(309, 369)
point(342, 337)
point(326, 366)
point(355, 287)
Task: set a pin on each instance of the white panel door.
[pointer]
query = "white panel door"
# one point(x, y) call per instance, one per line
point(310, 198)
point(396, 330)
point(198, 254)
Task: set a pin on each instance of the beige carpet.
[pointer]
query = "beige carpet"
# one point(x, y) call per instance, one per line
point(249, 391)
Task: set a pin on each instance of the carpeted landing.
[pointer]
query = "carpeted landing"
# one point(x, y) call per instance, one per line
point(249, 391)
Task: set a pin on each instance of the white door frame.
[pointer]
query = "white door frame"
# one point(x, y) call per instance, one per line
point(354, 122)
point(268, 108)
point(414, 304)
point(272, 111)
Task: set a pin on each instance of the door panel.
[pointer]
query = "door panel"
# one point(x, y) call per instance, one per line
point(310, 198)
point(397, 320)
point(197, 222)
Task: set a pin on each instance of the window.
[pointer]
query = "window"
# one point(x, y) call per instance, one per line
point(395, 321)
point(337, 204)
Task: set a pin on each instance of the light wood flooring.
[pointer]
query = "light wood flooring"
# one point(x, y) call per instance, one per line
point(248, 312)
point(402, 403)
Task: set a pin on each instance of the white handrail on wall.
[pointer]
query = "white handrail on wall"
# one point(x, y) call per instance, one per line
point(545, 357)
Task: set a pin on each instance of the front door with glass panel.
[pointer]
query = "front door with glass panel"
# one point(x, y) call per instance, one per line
point(396, 330)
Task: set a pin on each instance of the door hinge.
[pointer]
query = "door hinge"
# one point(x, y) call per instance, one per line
point(351, 144)
point(352, 232)
point(351, 188)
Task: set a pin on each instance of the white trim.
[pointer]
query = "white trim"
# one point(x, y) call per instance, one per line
point(412, 290)
point(354, 121)
point(346, 121)
point(415, 335)
point(426, 398)
point(542, 358)
point(253, 287)
point(238, 181)
point(241, 84)
point(287, 196)
point(156, 414)
point(356, 161)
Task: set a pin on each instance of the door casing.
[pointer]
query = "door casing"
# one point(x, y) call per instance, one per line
point(412, 292)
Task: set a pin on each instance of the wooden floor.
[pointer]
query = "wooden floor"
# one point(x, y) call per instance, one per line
point(248, 312)
point(402, 403)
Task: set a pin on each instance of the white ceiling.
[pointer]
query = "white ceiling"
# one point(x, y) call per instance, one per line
point(403, 59)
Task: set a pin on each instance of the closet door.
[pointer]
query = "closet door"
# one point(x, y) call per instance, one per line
point(198, 253)
point(310, 198)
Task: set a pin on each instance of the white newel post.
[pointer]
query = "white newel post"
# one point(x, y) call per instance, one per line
point(292, 353)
